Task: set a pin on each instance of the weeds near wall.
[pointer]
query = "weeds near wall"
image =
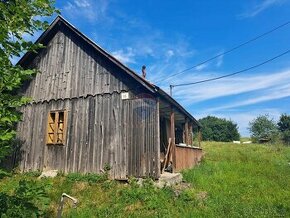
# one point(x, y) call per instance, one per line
point(29, 199)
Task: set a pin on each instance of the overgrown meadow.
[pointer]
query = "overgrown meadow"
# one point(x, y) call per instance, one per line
point(233, 180)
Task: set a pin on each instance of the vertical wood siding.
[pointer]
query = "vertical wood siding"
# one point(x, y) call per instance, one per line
point(142, 137)
point(187, 157)
point(101, 130)
point(71, 69)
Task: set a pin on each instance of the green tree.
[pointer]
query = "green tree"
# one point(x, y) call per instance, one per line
point(18, 18)
point(263, 128)
point(219, 129)
point(284, 128)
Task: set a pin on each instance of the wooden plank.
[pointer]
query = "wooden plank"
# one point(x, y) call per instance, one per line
point(172, 136)
point(157, 138)
point(187, 157)
point(199, 137)
point(186, 132)
point(166, 158)
point(190, 134)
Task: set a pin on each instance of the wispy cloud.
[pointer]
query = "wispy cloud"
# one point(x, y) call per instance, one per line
point(93, 10)
point(220, 61)
point(201, 67)
point(267, 95)
point(269, 86)
point(262, 6)
point(169, 53)
point(126, 56)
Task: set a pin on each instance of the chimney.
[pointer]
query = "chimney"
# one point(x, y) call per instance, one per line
point(144, 72)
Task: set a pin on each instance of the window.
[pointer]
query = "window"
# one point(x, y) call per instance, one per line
point(56, 127)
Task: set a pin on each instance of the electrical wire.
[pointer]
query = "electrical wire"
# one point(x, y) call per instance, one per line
point(232, 74)
point(226, 52)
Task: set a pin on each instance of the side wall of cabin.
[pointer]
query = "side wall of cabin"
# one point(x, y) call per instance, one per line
point(100, 131)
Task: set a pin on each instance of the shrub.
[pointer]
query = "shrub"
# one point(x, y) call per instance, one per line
point(284, 128)
point(263, 127)
point(88, 177)
point(4, 174)
point(218, 129)
point(29, 200)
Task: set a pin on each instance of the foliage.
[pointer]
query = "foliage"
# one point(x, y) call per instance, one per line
point(218, 129)
point(243, 181)
point(88, 177)
point(32, 173)
point(28, 200)
point(284, 128)
point(18, 19)
point(231, 181)
point(4, 174)
point(263, 127)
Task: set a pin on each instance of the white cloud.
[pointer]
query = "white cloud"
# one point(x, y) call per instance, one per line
point(201, 67)
point(267, 95)
point(126, 56)
point(93, 10)
point(270, 84)
point(169, 53)
point(82, 3)
point(258, 8)
point(220, 61)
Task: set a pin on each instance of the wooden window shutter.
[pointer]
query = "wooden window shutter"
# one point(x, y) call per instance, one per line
point(57, 127)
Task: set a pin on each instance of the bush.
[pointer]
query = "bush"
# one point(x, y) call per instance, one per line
point(218, 129)
point(29, 200)
point(263, 128)
point(284, 128)
point(89, 177)
point(4, 174)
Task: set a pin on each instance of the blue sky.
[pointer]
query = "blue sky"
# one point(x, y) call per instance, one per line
point(169, 36)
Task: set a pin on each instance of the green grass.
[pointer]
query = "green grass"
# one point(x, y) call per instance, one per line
point(232, 181)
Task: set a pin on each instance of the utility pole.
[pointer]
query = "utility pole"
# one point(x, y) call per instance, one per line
point(171, 88)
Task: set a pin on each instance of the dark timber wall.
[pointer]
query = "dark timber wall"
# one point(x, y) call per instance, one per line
point(70, 68)
point(101, 127)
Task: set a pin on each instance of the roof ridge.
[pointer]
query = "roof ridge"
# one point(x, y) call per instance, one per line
point(151, 87)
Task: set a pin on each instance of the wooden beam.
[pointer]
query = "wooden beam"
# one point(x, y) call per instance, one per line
point(199, 137)
point(186, 132)
point(167, 156)
point(190, 135)
point(158, 136)
point(172, 136)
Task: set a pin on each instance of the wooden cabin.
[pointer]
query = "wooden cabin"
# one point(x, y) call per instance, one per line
point(88, 110)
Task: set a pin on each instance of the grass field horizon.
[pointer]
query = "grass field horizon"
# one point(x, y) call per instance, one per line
point(233, 180)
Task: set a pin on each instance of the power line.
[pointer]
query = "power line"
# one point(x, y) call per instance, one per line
point(232, 74)
point(226, 52)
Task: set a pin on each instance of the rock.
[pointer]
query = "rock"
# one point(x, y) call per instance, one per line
point(49, 174)
point(168, 179)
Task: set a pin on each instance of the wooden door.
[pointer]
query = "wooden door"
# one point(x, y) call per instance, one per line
point(142, 138)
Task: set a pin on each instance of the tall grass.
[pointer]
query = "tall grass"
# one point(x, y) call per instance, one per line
point(244, 180)
point(232, 181)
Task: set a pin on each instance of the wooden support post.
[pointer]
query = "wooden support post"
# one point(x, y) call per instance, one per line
point(199, 136)
point(190, 134)
point(167, 156)
point(186, 132)
point(158, 136)
point(172, 136)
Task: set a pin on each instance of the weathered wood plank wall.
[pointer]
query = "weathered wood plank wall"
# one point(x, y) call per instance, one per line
point(142, 122)
point(69, 68)
point(100, 129)
point(187, 157)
